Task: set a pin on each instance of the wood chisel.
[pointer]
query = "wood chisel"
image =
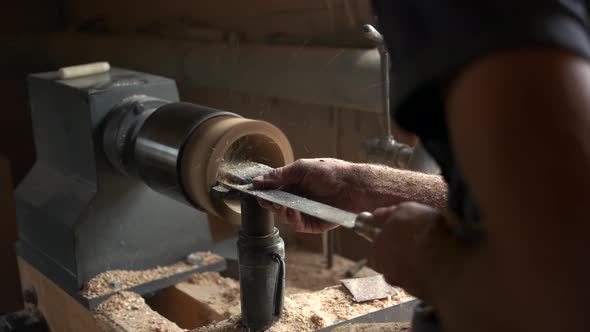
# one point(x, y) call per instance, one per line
point(356, 222)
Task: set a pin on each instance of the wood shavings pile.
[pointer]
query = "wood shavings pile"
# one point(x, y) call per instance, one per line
point(311, 311)
point(213, 278)
point(308, 311)
point(202, 258)
point(240, 172)
point(207, 257)
point(117, 280)
point(127, 311)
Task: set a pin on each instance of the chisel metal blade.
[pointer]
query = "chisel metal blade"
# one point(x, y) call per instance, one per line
point(298, 203)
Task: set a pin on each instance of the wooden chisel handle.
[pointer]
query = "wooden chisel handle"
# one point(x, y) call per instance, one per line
point(362, 228)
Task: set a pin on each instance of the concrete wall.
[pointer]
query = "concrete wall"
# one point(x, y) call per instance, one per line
point(253, 20)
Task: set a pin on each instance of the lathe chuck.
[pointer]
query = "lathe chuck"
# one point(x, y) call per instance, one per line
point(177, 148)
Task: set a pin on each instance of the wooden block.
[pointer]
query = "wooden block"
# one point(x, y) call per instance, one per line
point(61, 311)
point(123, 312)
point(205, 298)
point(128, 312)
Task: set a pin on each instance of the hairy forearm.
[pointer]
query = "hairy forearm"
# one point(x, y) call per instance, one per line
point(385, 186)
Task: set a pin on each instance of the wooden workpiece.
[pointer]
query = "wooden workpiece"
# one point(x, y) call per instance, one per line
point(226, 138)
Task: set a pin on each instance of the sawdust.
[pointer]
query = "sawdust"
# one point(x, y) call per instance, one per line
point(210, 278)
point(127, 311)
point(307, 311)
point(311, 311)
point(306, 271)
point(241, 172)
point(118, 280)
point(375, 327)
point(202, 258)
point(255, 147)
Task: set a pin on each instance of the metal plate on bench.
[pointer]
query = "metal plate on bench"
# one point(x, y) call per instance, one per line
point(398, 313)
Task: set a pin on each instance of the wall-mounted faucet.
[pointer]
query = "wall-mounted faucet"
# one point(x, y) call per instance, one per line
point(385, 148)
point(374, 36)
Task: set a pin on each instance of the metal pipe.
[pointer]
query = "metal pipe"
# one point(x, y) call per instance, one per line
point(385, 98)
point(261, 253)
point(256, 221)
point(330, 249)
point(385, 147)
point(160, 142)
point(374, 36)
point(400, 155)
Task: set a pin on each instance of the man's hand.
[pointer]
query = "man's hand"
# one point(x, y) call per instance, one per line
point(415, 247)
point(326, 180)
point(348, 186)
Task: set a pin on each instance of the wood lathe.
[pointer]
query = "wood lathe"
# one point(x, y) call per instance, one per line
point(125, 177)
point(122, 181)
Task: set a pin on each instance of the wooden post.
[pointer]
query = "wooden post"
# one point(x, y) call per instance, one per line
point(60, 310)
